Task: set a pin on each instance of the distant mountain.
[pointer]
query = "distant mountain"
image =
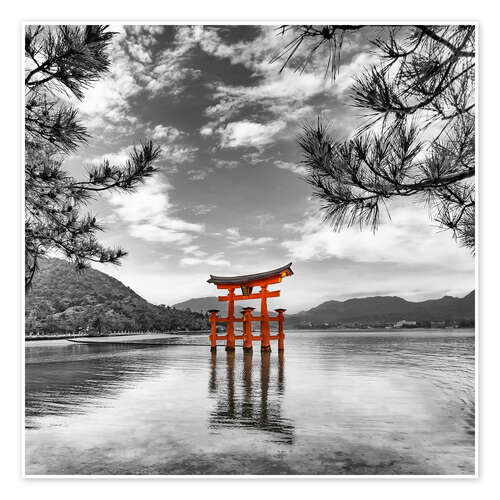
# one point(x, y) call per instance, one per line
point(204, 304)
point(364, 310)
point(387, 310)
point(62, 300)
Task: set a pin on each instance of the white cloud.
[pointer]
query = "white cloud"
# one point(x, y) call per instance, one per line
point(202, 209)
point(178, 153)
point(171, 153)
point(233, 232)
point(169, 72)
point(286, 94)
point(249, 241)
point(292, 167)
point(236, 240)
point(145, 32)
point(226, 163)
point(197, 175)
point(106, 103)
point(408, 238)
point(163, 232)
point(108, 220)
point(262, 219)
point(139, 52)
point(147, 213)
point(206, 131)
point(136, 68)
point(195, 251)
point(274, 89)
point(169, 134)
point(116, 158)
point(216, 260)
point(196, 256)
point(165, 137)
point(249, 134)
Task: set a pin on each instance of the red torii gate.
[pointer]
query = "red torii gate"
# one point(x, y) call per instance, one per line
point(246, 284)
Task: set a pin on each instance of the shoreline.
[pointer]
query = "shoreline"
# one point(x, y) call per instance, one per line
point(201, 332)
point(35, 338)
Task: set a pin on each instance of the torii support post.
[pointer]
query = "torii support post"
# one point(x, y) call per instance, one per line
point(281, 332)
point(230, 322)
point(264, 322)
point(213, 333)
point(247, 329)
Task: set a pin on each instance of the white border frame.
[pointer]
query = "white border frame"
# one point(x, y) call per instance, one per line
point(240, 476)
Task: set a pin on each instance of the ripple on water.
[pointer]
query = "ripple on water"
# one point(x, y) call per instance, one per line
point(335, 403)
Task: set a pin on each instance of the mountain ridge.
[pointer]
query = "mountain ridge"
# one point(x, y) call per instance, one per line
point(378, 308)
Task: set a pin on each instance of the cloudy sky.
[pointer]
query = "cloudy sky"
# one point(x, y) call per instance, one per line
point(230, 197)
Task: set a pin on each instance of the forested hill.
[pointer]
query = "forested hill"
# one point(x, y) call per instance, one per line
point(63, 300)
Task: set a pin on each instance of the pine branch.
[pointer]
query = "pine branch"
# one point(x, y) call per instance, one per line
point(71, 57)
point(67, 59)
point(138, 167)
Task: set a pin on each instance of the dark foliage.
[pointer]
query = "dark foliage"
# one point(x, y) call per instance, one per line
point(419, 135)
point(63, 61)
point(63, 301)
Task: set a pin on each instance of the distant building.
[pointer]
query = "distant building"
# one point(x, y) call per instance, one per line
point(404, 323)
point(438, 324)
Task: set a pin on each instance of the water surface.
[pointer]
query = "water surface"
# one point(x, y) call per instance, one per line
point(369, 402)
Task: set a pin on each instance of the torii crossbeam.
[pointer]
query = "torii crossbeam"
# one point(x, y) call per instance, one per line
point(246, 284)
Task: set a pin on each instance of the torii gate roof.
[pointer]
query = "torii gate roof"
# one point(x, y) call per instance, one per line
point(242, 280)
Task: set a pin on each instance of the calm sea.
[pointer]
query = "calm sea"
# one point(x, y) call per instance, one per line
point(365, 402)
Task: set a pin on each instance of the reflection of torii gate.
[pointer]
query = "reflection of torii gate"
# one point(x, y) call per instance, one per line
point(239, 402)
point(246, 284)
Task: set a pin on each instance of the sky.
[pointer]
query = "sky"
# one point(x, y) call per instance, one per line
point(230, 196)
